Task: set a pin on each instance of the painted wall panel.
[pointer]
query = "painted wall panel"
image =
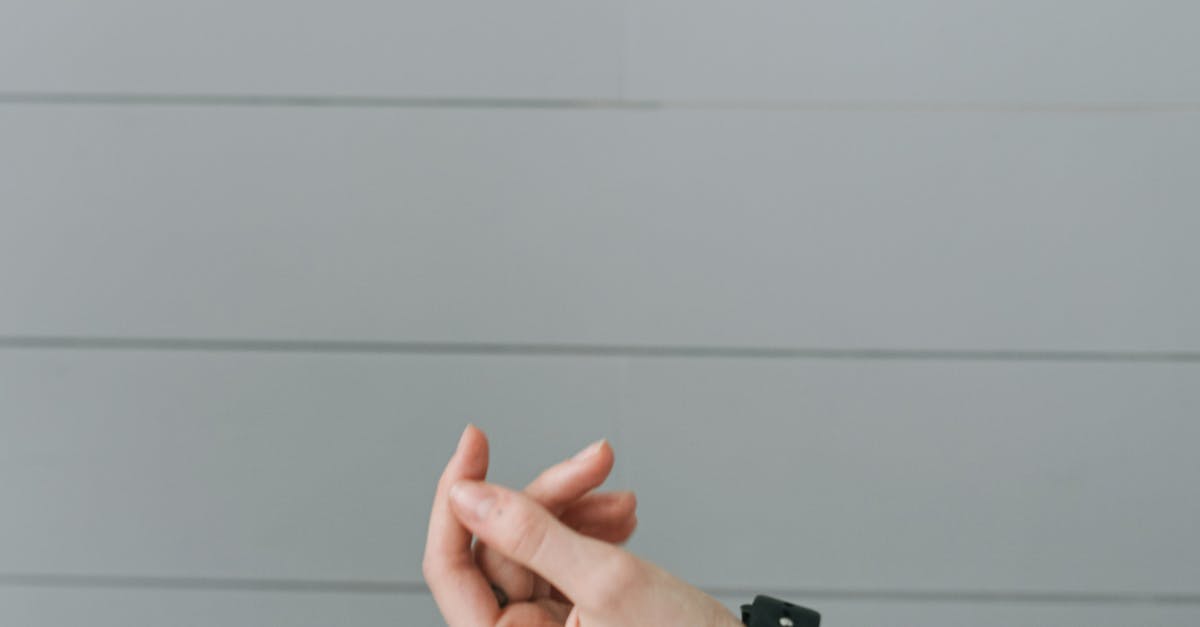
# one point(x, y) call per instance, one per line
point(833, 230)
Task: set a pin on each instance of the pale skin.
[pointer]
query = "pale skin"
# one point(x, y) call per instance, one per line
point(553, 548)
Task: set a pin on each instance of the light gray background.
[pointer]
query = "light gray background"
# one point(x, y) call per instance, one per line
point(887, 307)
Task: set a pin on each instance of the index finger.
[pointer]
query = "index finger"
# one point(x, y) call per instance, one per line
point(461, 592)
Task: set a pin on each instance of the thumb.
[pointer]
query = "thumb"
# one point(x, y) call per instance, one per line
point(593, 574)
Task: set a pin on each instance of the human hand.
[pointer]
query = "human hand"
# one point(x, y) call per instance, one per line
point(565, 490)
point(600, 584)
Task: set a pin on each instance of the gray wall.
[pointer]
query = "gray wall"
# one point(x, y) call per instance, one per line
point(888, 307)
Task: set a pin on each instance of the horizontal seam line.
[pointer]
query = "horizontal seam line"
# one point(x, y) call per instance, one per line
point(467, 102)
point(314, 101)
point(384, 587)
point(51, 580)
point(580, 350)
point(972, 596)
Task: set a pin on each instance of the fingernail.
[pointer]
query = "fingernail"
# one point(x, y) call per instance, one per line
point(592, 449)
point(462, 439)
point(472, 499)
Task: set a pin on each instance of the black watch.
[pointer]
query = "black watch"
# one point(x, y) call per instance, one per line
point(768, 612)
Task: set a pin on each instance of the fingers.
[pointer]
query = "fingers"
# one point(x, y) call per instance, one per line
point(539, 614)
point(517, 581)
point(567, 481)
point(461, 592)
point(607, 516)
point(589, 572)
point(556, 488)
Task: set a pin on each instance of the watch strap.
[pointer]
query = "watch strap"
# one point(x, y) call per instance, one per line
point(769, 612)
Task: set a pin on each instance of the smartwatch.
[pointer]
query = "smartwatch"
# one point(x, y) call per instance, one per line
point(768, 612)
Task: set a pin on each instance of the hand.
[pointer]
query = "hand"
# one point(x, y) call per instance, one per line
point(565, 490)
point(600, 584)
